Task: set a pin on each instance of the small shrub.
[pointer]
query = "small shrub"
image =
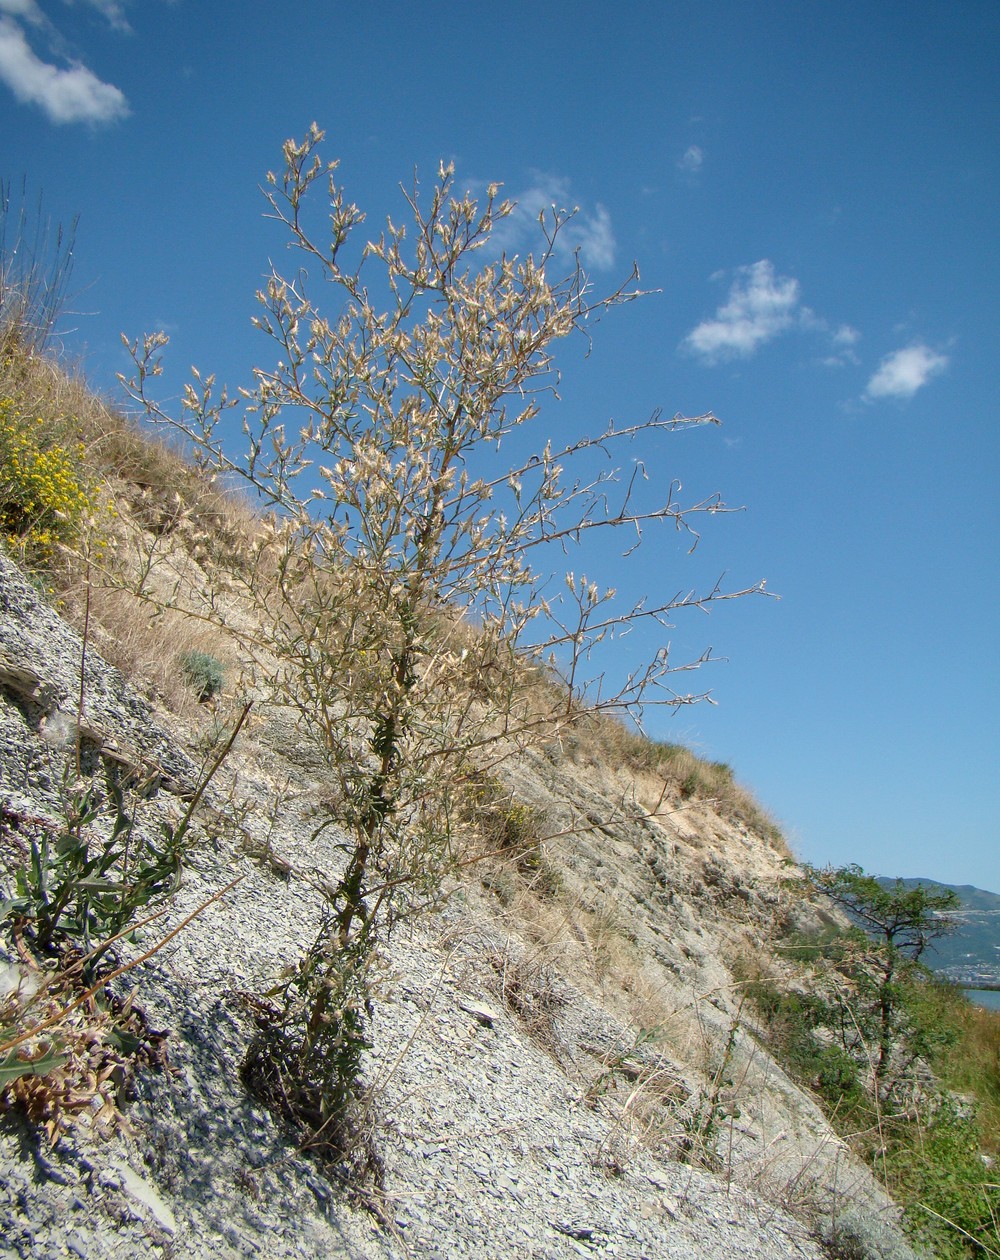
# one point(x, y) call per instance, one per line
point(520, 829)
point(806, 946)
point(88, 876)
point(204, 672)
point(529, 986)
point(67, 1041)
point(936, 1171)
point(713, 1105)
point(80, 886)
point(43, 498)
point(796, 1028)
point(402, 400)
point(510, 829)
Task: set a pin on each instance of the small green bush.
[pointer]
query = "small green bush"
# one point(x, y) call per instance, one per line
point(521, 830)
point(792, 1022)
point(43, 498)
point(952, 1204)
point(83, 886)
point(204, 672)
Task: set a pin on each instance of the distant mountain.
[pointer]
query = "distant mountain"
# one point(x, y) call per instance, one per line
point(971, 955)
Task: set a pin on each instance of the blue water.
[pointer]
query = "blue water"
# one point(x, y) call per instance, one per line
point(984, 997)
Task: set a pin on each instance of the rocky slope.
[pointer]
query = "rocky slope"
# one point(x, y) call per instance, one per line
point(563, 1064)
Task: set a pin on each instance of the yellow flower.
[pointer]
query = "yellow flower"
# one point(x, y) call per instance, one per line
point(44, 499)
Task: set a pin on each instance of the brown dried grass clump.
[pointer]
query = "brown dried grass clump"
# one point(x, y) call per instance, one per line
point(68, 1053)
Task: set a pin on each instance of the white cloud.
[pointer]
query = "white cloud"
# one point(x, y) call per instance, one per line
point(67, 94)
point(842, 343)
point(26, 9)
point(594, 237)
point(590, 232)
point(761, 305)
point(903, 372)
point(112, 10)
point(692, 160)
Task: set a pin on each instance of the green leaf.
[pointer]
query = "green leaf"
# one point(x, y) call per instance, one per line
point(98, 884)
point(127, 1043)
point(11, 905)
point(12, 1066)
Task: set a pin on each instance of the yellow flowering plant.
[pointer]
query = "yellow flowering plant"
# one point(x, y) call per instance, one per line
point(44, 498)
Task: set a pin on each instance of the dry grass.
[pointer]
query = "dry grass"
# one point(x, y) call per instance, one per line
point(645, 1096)
point(117, 448)
point(560, 935)
point(635, 1081)
point(93, 1041)
point(676, 771)
point(149, 648)
point(652, 1104)
point(160, 520)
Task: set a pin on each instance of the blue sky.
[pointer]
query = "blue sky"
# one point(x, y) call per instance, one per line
point(813, 190)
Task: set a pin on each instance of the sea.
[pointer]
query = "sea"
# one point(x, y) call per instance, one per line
point(989, 998)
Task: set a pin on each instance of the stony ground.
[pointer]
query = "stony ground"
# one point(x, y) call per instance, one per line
point(518, 1111)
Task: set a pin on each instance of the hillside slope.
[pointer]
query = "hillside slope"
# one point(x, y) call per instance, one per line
point(548, 1045)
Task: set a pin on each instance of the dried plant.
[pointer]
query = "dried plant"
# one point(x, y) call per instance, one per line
point(68, 1047)
point(35, 265)
point(66, 1059)
point(403, 593)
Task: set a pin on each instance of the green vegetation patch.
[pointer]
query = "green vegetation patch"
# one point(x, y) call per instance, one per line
point(904, 1067)
point(44, 499)
point(204, 672)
